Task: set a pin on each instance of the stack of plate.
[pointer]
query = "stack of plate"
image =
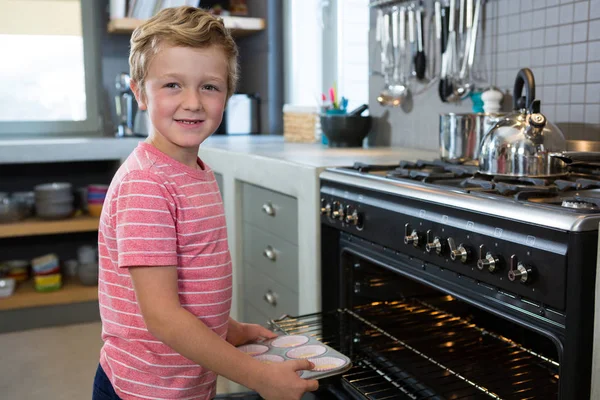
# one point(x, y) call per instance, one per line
point(54, 200)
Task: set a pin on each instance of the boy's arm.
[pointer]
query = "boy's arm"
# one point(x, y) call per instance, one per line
point(157, 295)
point(239, 333)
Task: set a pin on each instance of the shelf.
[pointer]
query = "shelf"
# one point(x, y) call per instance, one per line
point(26, 296)
point(239, 26)
point(35, 226)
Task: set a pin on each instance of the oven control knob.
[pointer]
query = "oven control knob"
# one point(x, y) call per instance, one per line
point(352, 216)
point(325, 207)
point(437, 244)
point(460, 253)
point(411, 238)
point(490, 262)
point(519, 271)
point(337, 211)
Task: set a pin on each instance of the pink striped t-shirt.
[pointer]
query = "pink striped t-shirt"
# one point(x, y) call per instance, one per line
point(160, 212)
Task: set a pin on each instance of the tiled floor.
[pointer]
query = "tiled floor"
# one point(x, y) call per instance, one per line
point(52, 363)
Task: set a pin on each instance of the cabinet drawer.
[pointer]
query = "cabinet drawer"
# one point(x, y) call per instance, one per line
point(253, 316)
point(269, 297)
point(272, 211)
point(273, 256)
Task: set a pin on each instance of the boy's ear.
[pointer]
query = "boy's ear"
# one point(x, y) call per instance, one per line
point(138, 93)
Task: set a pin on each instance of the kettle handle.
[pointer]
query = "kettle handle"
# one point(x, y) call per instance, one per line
point(524, 77)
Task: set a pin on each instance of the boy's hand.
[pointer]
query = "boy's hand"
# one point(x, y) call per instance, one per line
point(281, 382)
point(239, 333)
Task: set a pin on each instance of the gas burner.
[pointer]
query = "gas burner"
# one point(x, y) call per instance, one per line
point(362, 167)
point(578, 205)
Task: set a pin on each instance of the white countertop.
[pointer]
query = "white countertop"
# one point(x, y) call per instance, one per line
point(273, 147)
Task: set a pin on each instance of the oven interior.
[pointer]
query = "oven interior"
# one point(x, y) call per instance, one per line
point(411, 341)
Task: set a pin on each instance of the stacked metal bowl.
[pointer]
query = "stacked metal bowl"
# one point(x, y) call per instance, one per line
point(54, 200)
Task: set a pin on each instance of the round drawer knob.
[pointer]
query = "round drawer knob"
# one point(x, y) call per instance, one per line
point(269, 252)
point(271, 298)
point(268, 209)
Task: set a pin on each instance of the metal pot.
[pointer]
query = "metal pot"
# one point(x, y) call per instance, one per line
point(461, 134)
point(523, 143)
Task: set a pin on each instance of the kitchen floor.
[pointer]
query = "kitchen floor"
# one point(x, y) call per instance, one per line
point(52, 363)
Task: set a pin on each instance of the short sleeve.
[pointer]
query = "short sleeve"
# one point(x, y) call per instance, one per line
point(145, 221)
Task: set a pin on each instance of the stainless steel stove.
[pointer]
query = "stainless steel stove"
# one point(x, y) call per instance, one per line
point(445, 283)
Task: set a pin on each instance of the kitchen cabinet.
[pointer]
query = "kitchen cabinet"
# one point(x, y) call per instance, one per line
point(270, 253)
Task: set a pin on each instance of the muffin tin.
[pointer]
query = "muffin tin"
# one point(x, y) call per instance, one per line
point(327, 361)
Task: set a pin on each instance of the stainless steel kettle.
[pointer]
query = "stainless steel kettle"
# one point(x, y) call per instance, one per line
point(524, 143)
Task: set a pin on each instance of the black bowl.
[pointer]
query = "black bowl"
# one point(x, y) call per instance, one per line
point(344, 130)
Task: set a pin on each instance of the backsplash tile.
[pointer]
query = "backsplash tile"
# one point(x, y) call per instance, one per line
point(558, 39)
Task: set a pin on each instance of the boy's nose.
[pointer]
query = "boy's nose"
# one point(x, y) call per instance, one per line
point(193, 101)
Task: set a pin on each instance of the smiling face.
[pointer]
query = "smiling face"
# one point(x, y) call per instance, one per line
point(185, 92)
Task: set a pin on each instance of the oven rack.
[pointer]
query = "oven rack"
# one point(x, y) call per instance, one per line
point(412, 350)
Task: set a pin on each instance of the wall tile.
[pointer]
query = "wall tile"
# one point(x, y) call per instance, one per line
point(550, 94)
point(565, 34)
point(525, 58)
point(593, 72)
point(537, 37)
point(563, 74)
point(526, 5)
point(502, 25)
point(513, 41)
point(580, 32)
point(551, 55)
point(502, 43)
point(577, 93)
point(594, 9)
point(537, 57)
point(551, 37)
point(576, 113)
point(580, 52)
point(562, 114)
point(594, 33)
point(550, 76)
point(592, 114)
point(592, 93)
point(550, 3)
point(551, 16)
point(563, 95)
point(594, 51)
point(578, 73)
point(565, 14)
point(525, 40)
point(581, 11)
point(565, 54)
point(503, 7)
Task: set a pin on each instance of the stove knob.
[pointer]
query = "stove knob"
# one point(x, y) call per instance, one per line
point(489, 261)
point(436, 245)
point(412, 238)
point(460, 253)
point(352, 216)
point(519, 271)
point(325, 208)
point(337, 211)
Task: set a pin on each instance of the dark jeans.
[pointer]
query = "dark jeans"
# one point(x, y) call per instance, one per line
point(103, 389)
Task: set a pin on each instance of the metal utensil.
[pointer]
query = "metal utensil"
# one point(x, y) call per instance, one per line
point(394, 91)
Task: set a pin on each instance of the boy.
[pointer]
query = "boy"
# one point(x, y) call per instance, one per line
point(165, 268)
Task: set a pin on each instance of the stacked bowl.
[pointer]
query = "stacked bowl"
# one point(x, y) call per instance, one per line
point(95, 198)
point(54, 200)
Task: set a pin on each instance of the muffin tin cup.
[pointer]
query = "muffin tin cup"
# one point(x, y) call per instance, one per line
point(327, 361)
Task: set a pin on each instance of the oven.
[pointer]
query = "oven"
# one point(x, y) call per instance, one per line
point(432, 300)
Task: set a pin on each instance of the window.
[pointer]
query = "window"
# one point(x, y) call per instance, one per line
point(327, 46)
point(48, 71)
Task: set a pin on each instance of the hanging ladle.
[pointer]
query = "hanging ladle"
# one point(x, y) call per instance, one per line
point(393, 93)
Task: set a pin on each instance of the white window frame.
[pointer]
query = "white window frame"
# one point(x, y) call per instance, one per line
point(92, 125)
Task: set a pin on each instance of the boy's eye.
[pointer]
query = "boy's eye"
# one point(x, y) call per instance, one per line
point(211, 87)
point(172, 85)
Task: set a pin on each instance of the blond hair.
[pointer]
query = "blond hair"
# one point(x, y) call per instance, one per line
point(181, 26)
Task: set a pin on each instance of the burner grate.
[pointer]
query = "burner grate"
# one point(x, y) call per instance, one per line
point(414, 350)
